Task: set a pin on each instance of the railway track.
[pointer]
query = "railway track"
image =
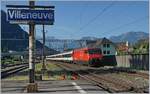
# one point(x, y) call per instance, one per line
point(11, 65)
point(107, 82)
point(140, 74)
point(12, 70)
point(132, 72)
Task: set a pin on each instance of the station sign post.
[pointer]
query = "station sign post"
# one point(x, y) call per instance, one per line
point(32, 15)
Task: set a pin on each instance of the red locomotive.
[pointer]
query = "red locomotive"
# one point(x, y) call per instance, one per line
point(85, 56)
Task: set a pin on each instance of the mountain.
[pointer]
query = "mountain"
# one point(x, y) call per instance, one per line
point(14, 38)
point(89, 38)
point(131, 37)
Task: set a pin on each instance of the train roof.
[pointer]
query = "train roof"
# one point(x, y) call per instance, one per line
point(86, 48)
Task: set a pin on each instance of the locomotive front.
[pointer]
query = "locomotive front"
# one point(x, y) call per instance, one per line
point(95, 56)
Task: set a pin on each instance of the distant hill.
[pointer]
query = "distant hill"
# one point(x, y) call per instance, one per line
point(131, 37)
point(89, 38)
point(14, 38)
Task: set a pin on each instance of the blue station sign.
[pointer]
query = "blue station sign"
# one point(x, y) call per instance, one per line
point(28, 15)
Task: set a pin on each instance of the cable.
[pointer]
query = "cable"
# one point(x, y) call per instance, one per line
point(121, 26)
point(81, 13)
point(99, 14)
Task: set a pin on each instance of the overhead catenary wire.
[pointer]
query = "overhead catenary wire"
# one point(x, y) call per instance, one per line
point(121, 26)
point(127, 24)
point(81, 13)
point(98, 15)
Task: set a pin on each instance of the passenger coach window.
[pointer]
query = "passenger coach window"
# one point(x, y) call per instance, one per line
point(67, 55)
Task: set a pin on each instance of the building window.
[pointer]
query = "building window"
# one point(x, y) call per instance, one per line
point(104, 45)
point(108, 45)
point(104, 52)
point(108, 52)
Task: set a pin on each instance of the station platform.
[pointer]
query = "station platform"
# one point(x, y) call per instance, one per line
point(53, 87)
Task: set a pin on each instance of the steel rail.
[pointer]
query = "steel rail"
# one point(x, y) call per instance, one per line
point(109, 84)
point(11, 71)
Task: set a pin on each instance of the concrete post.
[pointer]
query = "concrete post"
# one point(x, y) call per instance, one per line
point(31, 49)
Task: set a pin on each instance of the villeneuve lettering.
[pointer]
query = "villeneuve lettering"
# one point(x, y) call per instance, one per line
point(22, 14)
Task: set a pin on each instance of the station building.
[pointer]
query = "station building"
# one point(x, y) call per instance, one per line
point(107, 46)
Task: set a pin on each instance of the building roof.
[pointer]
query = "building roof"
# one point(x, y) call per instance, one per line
point(98, 42)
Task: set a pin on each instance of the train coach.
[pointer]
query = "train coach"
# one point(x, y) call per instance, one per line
point(84, 56)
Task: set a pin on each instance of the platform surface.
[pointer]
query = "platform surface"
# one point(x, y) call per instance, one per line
point(58, 87)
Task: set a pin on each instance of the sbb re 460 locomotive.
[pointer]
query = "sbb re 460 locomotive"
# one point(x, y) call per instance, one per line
point(84, 56)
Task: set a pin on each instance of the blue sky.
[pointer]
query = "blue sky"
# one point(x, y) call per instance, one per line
point(76, 19)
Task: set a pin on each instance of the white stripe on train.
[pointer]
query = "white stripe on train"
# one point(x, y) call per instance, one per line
point(66, 58)
point(65, 53)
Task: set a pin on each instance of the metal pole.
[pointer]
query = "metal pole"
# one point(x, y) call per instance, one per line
point(31, 49)
point(65, 45)
point(43, 52)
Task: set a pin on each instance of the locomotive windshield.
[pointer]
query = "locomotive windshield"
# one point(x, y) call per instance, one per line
point(94, 51)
